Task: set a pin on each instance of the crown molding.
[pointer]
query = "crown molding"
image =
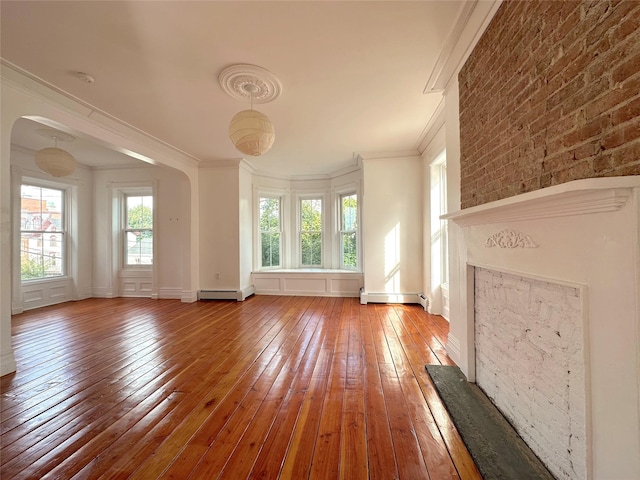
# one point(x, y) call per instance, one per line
point(435, 123)
point(363, 156)
point(472, 20)
point(38, 88)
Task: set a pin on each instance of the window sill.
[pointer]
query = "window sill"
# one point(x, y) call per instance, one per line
point(40, 281)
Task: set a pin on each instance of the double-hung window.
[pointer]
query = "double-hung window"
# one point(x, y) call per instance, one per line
point(138, 230)
point(42, 232)
point(270, 218)
point(311, 232)
point(348, 231)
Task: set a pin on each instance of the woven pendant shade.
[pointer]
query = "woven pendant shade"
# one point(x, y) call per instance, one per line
point(251, 132)
point(55, 161)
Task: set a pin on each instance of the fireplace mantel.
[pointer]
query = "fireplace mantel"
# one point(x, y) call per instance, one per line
point(586, 234)
point(591, 195)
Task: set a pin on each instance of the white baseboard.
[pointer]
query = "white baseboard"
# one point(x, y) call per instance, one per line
point(7, 362)
point(453, 348)
point(245, 292)
point(189, 296)
point(170, 293)
point(100, 292)
point(388, 298)
point(17, 308)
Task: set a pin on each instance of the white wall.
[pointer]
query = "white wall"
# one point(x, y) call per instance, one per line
point(245, 206)
point(392, 227)
point(431, 280)
point(220, 227)
point(171, 230)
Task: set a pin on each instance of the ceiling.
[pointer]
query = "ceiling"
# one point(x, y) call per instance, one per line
point(352, 73)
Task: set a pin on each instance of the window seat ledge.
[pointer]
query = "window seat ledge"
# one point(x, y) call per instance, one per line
point(305, 271)
point(308, 282)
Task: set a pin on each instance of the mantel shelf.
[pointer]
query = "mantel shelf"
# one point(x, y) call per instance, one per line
point(579, 197)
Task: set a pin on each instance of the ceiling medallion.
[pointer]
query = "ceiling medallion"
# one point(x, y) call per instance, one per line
point(251, 132)
point(250, 82)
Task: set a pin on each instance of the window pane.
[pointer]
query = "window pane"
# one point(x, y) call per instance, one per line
point(311, 211)
point(311, 246)
point(139, 247)
point(270, 249)
point(270, 231)
point(311, 232)
point(139, 212)
point(42, 238)
point(30, 256)
point(269, 214)
point(349, 212)
point(349, 254)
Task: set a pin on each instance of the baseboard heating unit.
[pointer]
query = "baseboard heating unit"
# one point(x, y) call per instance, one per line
point(239, 295)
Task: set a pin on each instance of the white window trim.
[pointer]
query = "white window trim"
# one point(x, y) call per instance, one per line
point(323, 236)
point(117, 190)
point(258, 235)
point(122, 194)
point(337, 193)
point(142, 192)
point(66, 209)
point(340, 231)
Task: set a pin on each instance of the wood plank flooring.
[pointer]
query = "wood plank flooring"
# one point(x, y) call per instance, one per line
point(273, 387)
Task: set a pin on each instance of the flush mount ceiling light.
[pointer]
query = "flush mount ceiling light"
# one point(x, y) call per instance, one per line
point(53, 160)
point(251, 131)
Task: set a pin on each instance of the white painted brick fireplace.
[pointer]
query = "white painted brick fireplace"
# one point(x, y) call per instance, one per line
point(530, 361)
point(545, 307)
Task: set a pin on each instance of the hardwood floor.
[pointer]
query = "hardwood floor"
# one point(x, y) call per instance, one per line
point(273, 387)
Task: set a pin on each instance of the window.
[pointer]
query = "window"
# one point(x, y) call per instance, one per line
point(270, 231)
point(348, 229)
point(41, 213)
point(311, 232)
point(138, 230)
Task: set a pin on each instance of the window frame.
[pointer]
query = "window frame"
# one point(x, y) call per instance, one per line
point(258, 240)
point(125, 195)
point(341, 231)
point(301, 199)
point(45, 236)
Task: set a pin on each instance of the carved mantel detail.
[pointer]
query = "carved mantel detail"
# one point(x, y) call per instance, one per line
point(508, 238)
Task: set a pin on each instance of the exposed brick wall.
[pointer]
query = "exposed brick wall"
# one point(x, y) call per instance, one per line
point(530, 362)
point(550, 94)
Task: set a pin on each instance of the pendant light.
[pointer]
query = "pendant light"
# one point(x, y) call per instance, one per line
point(251, 131)
point(53, 160)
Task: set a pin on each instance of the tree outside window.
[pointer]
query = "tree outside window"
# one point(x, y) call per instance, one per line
point(348, 229)
point(311, 232)
point(138, 230)
point(42, 217)
point(270, 231)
